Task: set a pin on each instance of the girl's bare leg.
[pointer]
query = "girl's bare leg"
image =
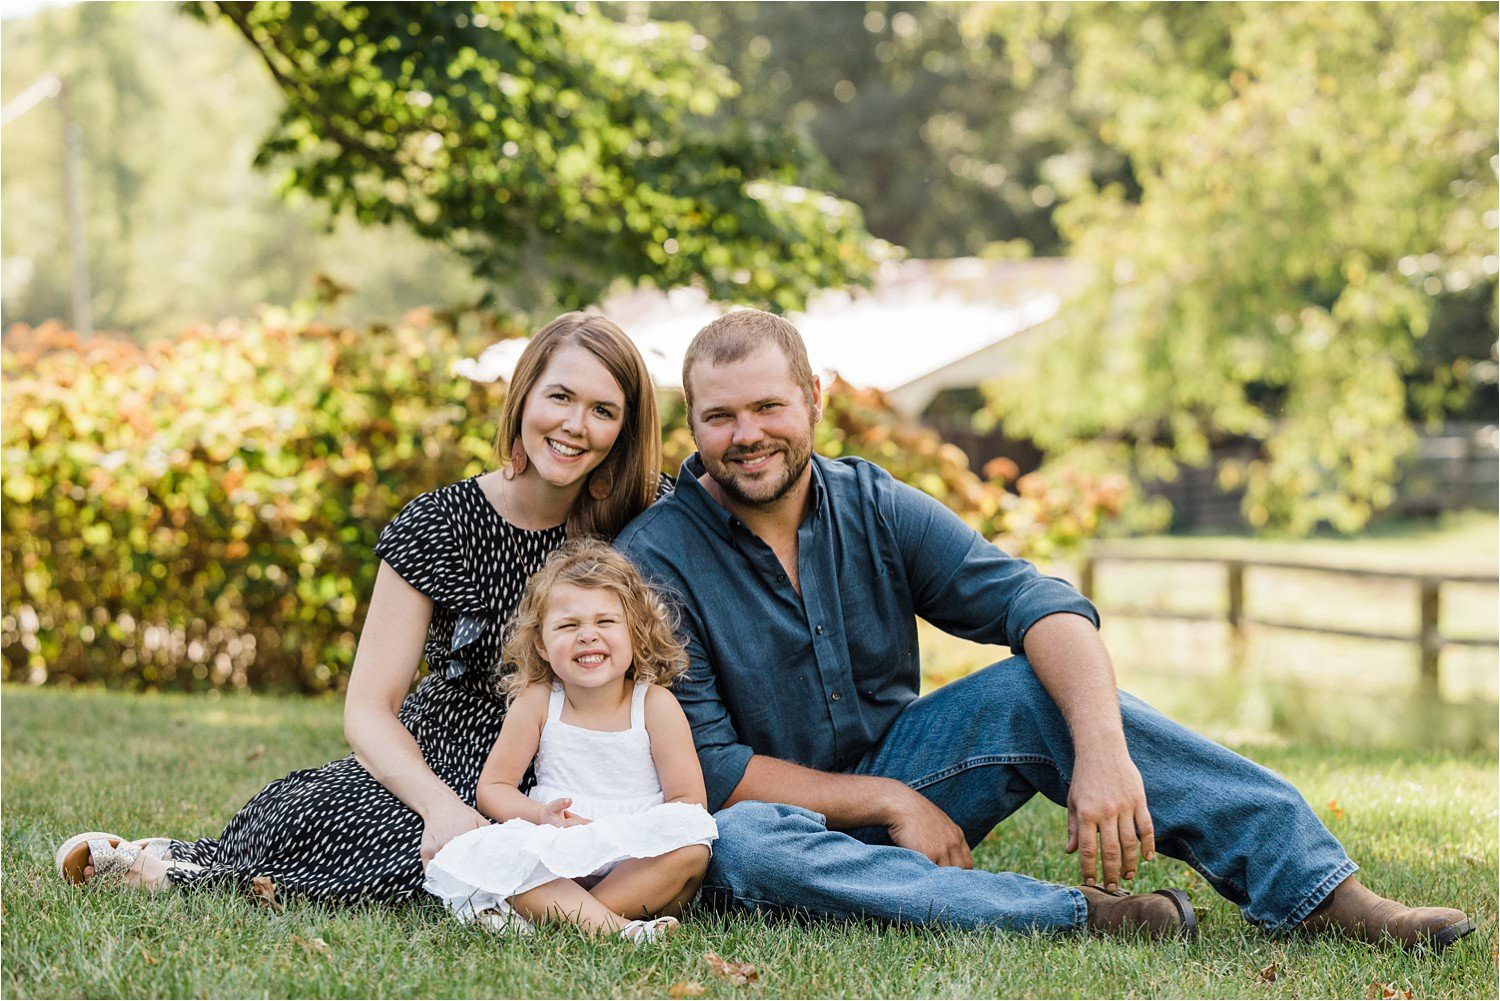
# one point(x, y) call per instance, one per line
point(649, 887)
point(565, 900)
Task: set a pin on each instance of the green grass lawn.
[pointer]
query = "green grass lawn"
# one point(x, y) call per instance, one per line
point(1423, 824)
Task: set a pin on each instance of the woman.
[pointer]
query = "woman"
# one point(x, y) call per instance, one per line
point(580, 444)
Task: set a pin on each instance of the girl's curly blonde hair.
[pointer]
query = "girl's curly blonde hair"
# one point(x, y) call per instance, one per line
point(657, 657)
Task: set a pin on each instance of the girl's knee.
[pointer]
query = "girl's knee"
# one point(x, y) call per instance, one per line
point(690, 860)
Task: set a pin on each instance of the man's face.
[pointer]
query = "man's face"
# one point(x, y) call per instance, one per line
point(753, 425)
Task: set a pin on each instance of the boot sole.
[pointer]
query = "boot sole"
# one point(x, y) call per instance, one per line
point(1189, 921)
point(1445, 937)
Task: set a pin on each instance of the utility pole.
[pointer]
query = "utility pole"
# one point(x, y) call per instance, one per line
point(45, 88)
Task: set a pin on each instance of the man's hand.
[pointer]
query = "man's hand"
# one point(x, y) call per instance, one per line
point(1108, 819)
point(915, 822)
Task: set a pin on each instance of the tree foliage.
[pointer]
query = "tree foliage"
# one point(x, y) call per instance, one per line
point(555, 149)
point(179, 225)
point(921, 111)
point(1313, 178)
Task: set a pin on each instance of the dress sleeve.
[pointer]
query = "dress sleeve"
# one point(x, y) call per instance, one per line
point(420, 545)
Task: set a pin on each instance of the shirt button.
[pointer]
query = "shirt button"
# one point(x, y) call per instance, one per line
point(834, 696)
point(781, 578)
point(818, 630)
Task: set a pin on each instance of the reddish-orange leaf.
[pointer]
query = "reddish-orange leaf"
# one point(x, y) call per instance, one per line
point(735, 973)
point(264, 889)
point(1338, 811)
point(685, 989)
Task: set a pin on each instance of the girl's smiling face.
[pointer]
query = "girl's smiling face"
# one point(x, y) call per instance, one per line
point(585, 637)
point(572, 416)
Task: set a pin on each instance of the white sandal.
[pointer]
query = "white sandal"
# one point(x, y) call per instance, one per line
point(114, 858)
point(504, 924)
point(647, 932)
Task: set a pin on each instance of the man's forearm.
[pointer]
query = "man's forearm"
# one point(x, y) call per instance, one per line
point(848, 801)
point(1073, 666)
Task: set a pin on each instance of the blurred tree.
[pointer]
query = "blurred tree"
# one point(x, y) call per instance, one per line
point(554, 149)
point(180, 226)
point(921, 112)
point(1313, 179)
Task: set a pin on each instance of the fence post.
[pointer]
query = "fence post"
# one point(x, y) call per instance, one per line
point(1235, 578)
point(1429, 638)
point(1086, 578)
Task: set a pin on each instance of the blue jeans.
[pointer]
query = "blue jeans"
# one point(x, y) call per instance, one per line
point(979, 748)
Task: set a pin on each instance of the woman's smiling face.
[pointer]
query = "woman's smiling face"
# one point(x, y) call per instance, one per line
point(572, 416)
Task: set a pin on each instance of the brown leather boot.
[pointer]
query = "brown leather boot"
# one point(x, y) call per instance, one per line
point(1159, 914)
point(1361, 913)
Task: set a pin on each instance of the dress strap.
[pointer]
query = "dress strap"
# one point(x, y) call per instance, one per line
point(638, 705)
point(555, 703)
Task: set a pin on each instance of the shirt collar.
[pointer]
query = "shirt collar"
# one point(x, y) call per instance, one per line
point(698, 499)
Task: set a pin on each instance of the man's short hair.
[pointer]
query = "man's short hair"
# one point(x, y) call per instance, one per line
point(739, 334)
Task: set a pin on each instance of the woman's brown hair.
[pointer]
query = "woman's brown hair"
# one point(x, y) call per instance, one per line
point(633, 466)
point(657, 655)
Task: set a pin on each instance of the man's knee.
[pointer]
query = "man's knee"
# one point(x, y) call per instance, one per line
point(1008, 683)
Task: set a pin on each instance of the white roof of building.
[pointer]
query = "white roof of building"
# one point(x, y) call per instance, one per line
point(920, 319)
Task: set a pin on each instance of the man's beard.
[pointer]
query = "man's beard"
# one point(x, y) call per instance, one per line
point(795, 460)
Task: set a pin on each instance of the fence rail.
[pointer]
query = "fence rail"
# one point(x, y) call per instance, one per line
point(1428, 639)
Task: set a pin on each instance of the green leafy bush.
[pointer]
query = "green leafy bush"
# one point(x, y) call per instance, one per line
point(202, 512)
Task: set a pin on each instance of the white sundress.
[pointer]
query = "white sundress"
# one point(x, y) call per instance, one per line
point(612, 781)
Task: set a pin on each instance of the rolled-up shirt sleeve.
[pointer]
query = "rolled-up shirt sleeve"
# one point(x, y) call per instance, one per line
point(966, 585)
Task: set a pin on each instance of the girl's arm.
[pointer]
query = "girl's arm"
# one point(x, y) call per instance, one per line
point(672, 749)
point(498, 794)
point(389, 653)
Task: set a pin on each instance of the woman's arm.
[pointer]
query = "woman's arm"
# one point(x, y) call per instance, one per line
point(672, 749)
point(499, 795)
point(390, 651)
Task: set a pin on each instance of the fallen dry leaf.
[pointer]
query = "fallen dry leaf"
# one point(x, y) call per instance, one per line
point(314, 944)
point(259, 752)
point(149, 959)
point(1270, 973)
point(264, 889)
point(1338, 811)
point(735, 973)
point(1473, 860)
point(685, 989)
point(1382, 991)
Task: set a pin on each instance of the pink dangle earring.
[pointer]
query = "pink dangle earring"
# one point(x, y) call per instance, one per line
point(517, 464)
point(602, 483)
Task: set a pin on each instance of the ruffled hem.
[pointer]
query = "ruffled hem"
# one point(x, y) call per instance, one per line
point(480, 870)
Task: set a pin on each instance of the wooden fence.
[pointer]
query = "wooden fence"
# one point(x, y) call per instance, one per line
point(1428, 639)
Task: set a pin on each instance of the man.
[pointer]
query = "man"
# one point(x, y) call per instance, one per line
point(841, 793)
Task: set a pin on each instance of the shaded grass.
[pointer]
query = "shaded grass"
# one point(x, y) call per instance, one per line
point(1422, 823)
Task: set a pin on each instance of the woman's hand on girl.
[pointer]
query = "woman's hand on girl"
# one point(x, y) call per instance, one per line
point(446, 823)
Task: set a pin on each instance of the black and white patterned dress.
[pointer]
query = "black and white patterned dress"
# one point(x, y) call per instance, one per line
point(335, 833)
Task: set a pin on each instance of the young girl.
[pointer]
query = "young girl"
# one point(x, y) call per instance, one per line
point(614, 835)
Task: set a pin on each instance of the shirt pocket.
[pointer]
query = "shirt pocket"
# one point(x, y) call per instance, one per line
point(872, 628)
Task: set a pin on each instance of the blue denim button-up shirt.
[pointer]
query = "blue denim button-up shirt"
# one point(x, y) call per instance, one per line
point(817, 677)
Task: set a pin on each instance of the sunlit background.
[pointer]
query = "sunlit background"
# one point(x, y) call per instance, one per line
point(1195, 304)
